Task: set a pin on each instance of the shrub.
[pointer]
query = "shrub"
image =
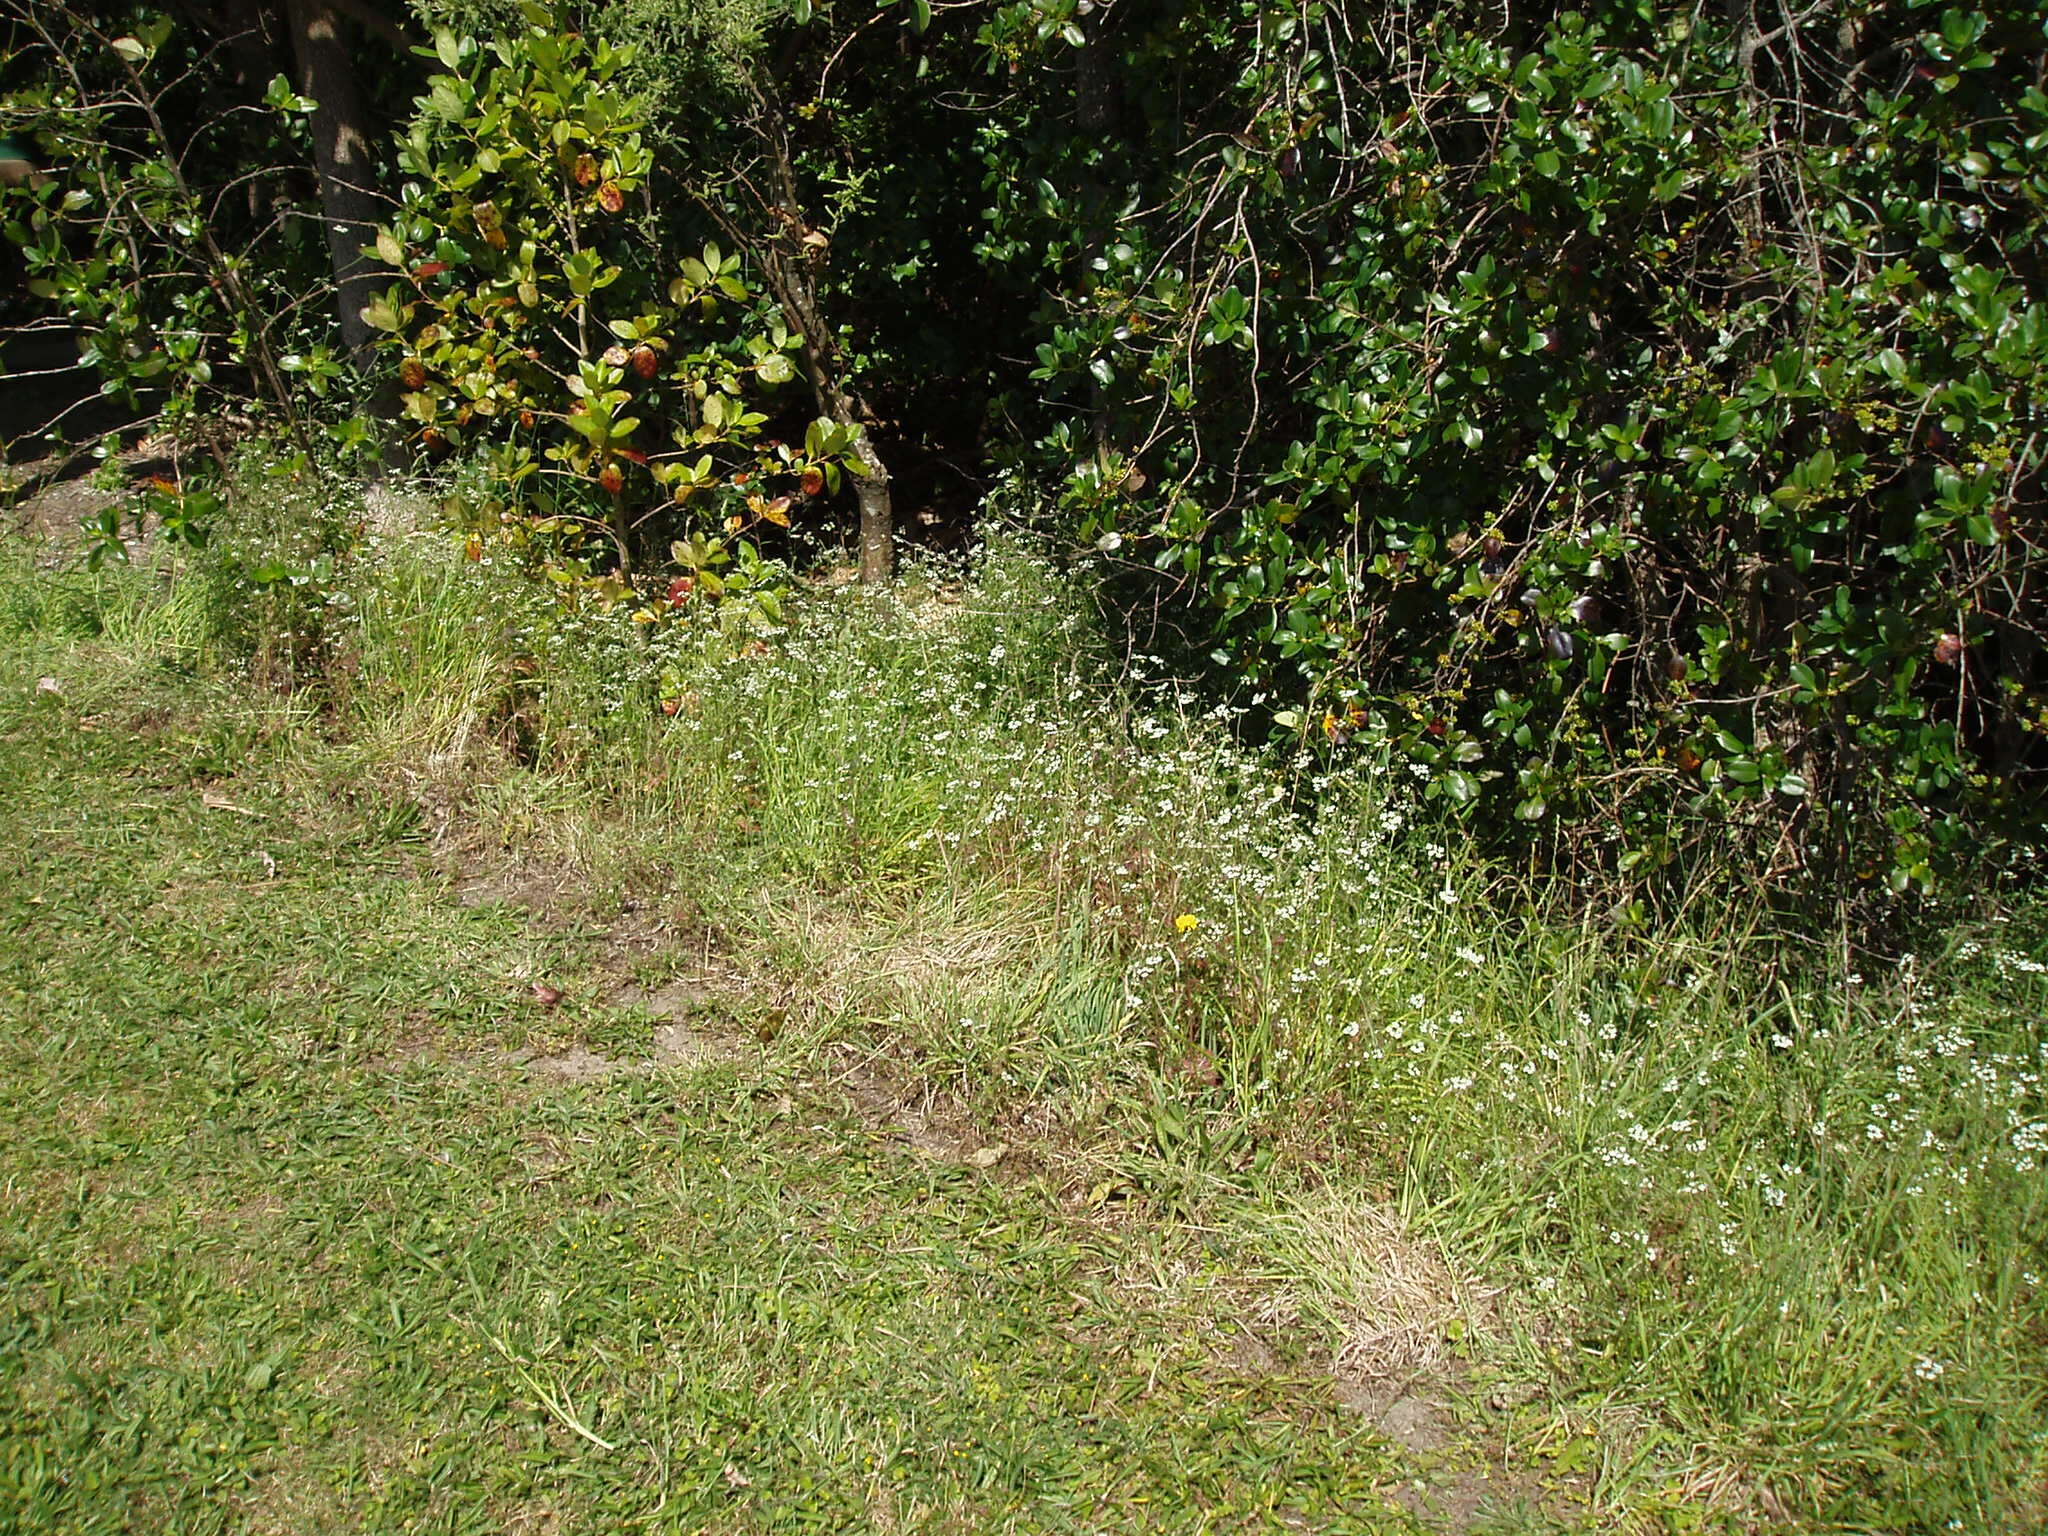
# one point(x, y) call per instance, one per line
point(1633, 420)
point(609, 391)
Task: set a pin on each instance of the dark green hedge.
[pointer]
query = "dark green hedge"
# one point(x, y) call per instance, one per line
point(1633, 416)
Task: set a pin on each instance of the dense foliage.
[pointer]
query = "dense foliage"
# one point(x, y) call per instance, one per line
point(534, 319)
point(1628, 418)
point(172, 235)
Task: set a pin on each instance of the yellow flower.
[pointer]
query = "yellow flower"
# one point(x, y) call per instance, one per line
point(1185, 923)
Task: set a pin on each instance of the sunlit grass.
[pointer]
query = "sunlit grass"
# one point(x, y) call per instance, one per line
point(1777, 1227)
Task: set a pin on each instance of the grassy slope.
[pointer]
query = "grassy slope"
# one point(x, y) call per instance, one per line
point(1775, 1236)
point(289, 1244)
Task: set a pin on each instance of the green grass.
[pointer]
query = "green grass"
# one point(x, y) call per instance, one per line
point(1709, 1228)
point(291, 1241)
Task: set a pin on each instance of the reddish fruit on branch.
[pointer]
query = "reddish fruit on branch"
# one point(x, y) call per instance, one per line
point(644, 361)
point(610, 478)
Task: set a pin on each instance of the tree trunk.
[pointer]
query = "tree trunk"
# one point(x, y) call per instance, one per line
point(877, 518)
point(341, 156)
point(796, 291)
point(877, 505)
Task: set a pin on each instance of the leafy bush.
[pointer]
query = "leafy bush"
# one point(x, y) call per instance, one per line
point(1632, 419)
point(538, 320)
point(166, 231)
